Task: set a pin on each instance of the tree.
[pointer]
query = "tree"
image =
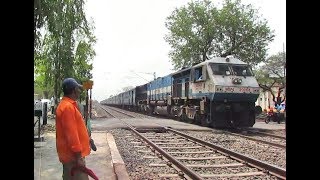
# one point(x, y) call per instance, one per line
point(41, 12)
point(200, 31)
point(43, 68)
point(65, 48)
point(273, 73)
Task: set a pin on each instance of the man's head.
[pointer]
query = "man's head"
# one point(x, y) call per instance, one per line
point(71, 88)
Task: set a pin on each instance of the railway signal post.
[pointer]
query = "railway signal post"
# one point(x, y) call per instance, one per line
point(88, 86)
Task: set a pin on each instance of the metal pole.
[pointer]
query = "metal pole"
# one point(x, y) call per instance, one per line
point(284, 66)
point(39, 128)
point(90, 103)
point(284, 75)
point(86, 109)
point(45, 112)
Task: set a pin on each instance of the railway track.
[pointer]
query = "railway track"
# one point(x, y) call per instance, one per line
point(116, 113)
point(263, 133)
point(193, 158)
point(266, 138)
point(230, 163)
point(277, 141)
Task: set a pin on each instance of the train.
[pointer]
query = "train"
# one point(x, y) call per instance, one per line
point(220, 92)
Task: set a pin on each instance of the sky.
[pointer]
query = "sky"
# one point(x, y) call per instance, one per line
point(130, 45)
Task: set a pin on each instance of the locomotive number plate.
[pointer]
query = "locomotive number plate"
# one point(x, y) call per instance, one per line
point(245, 89)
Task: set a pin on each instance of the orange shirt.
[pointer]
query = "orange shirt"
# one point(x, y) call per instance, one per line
point(71, 132)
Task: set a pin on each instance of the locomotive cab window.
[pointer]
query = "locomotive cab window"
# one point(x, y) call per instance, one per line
point(198, 74)
point(241, 70)
point(220, 69)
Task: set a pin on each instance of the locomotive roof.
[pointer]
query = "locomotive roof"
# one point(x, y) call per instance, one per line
point(226, 60)
point(230, 60)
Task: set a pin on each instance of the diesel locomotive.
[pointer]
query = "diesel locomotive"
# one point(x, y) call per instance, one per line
point(219, 92)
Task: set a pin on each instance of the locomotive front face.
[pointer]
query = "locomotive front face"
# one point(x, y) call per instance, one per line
point(233, 82)
point(221, 80)
point(229, 91)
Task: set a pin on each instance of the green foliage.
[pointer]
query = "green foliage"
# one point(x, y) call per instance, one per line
point(274, 66)
point(199, 31)
point(63, 43)
point(191, 33)
point(271, 73)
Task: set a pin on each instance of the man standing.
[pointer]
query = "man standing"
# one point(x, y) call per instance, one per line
point(72, 139)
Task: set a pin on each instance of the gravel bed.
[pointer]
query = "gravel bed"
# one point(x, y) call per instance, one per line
point(137, 161)
point(136, 164)
point(263, 152)
point(269, 139)
point(116, 113)
point(135, 114)
point(280, 132)
point(98, 112)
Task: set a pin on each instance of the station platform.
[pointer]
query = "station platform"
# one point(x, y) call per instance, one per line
point(48, 167)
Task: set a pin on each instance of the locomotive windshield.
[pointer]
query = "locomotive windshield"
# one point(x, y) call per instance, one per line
point(241, 70)
point(231, 69)
point(220, 69)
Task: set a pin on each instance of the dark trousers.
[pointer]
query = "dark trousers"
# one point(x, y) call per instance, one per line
point(78, 175)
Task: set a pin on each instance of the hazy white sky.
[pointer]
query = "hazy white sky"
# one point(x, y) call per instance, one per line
point(130, 39)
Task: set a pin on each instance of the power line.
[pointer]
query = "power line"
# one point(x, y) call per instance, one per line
point(154, 75)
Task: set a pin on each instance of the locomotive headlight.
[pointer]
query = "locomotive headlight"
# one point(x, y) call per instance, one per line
point(256, 90)
point(236, 81)
point(218, 89)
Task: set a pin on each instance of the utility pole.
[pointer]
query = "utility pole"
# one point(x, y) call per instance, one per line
point(154, 76)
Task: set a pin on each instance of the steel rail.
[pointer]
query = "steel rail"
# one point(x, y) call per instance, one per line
point(185, 169)
point(266, 167)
